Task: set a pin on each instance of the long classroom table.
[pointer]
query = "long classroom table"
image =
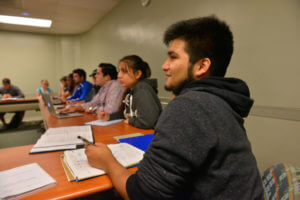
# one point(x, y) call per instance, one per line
point(50, 162)
point(19, 105)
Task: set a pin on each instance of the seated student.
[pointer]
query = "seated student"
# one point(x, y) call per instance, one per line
point(200, 148)
point(83, 87)
point(69, 88)
point(7, 91)
point(44, 89)
point(63, 86)
point(95, 89)
point(141, 104)
point(109, 97)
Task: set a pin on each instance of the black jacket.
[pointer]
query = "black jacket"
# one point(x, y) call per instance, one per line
point(200, 149)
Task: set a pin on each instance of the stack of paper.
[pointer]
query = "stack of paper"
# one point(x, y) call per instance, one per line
point(77, 167)
point(63, 138)
point(22, 181)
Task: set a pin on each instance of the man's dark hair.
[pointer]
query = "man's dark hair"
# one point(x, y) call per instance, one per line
point(6, 81)
point(205, 37)
point(109, 69)
point(80, 72)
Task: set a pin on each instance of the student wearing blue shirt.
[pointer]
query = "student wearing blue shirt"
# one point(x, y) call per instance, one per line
point(83, 88)
point(44, 89)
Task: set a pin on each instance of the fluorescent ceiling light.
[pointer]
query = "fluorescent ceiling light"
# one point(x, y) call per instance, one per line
point(26, 21)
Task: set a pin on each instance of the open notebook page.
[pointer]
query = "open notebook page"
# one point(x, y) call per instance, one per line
point(126, 154)
point(64, 136)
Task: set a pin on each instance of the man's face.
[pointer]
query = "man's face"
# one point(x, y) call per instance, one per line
point(100, 80)
point(94, 79)
point(7, 86)
point(76, 78)
point(176, 66)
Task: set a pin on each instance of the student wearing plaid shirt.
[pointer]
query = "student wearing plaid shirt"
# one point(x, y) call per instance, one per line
point(109, 97)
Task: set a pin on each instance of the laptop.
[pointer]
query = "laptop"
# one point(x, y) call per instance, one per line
point(48, 102)
point(57, 101)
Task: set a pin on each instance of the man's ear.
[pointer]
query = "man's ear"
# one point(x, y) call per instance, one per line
point(107, 77)
point(201, 68)
point(138, 74)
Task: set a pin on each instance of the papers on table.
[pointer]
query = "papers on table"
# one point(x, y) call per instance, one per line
point(77, 164)
point(63, 138)
point(22, 181)
point(100, 122)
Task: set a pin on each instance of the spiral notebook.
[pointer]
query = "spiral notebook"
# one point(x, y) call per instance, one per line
point(77, 168)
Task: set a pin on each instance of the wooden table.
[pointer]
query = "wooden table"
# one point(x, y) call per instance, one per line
point(19, 105)
point(50, 162)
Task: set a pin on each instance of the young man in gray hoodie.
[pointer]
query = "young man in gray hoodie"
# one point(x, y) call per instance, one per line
point(200, 149)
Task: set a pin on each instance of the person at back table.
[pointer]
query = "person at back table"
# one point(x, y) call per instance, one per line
point(44, 89)
point(83, 87)
point(141, 106)
point(109, 97)
point(8, 91)
point(200, 149)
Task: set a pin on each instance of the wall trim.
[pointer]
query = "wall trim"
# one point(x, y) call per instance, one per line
point(285, 113)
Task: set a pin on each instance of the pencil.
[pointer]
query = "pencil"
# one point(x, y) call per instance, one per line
point(84, 140)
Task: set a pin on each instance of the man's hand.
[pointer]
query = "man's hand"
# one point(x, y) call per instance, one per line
point(99, 156)
point(5, 96)
point(67, 110)
point(103, 115)
point(70, 102)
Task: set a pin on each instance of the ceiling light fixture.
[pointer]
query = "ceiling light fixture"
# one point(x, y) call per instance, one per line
point(26, 21)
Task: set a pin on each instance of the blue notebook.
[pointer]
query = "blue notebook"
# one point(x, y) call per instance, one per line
point(141, 142)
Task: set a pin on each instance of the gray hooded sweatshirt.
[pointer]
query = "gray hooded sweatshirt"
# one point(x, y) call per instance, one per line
point(142, 105)
point(200, 149)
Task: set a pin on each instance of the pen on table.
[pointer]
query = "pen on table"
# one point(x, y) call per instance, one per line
point(85, 140)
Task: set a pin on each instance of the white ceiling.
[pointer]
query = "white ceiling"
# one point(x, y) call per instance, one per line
point(68, 16)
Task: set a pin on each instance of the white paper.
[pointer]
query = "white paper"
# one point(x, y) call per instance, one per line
point(100, 122)
point(62, 138)
point(23, 180)
point(126, 154)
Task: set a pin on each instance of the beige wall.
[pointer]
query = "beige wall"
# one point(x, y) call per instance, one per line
point(267, 46)
point(28, 58)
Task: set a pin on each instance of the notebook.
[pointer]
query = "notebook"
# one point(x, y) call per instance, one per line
point(24, 180)
point(63, 138)
point(141, 142)
point(49, 103)
point(77, 167)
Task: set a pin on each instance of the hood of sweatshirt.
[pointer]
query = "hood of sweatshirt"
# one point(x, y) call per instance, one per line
point(234, 91)
point(151, 82)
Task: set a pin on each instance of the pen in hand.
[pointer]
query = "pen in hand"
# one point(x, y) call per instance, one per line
point(84, 140)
